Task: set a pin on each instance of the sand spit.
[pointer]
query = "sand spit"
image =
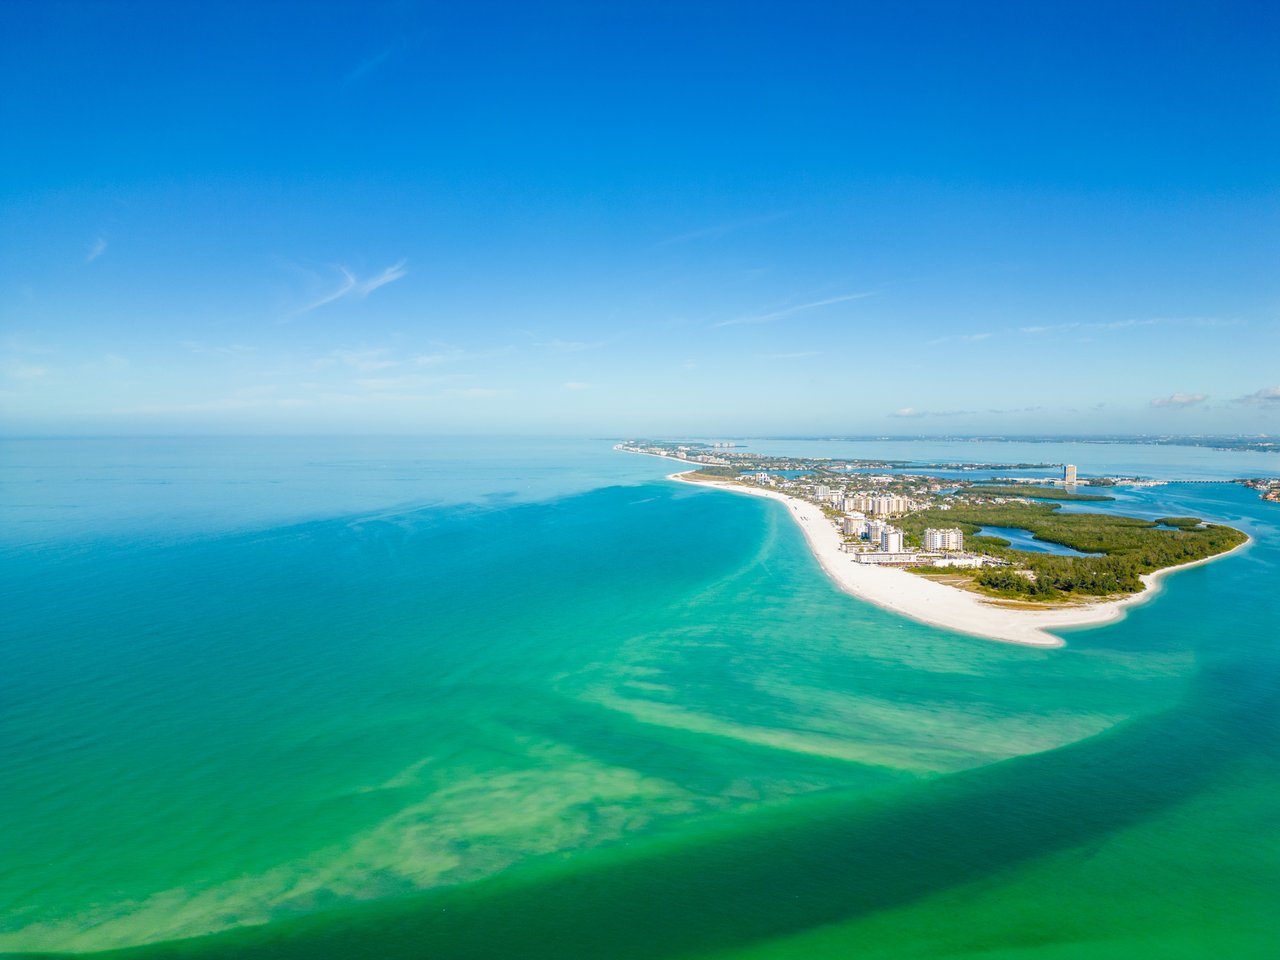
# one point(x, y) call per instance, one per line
point(935, 603)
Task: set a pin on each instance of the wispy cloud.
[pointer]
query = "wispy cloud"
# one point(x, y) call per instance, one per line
point(1125, 324)
point(19, 344)
point(1266, 397)
point(476, 393)
point(389, 275)
point(438, 358)
point(96, 249)
point(1177, 400)
point(362, 360)
point(911, 412)
point(569, 346)
point(230, 350)
point(1110, 325)
point(367, 66)
point(393, 383)
point(792, 311)
point(110, 362)
point(349, 285)
point(246, 398)
point(960, 337)
point(720, 229)
point(24, 371)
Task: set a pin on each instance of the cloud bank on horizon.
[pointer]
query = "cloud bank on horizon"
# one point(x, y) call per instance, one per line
point(880, 232)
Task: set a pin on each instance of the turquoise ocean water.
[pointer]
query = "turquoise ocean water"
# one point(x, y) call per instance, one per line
point(481, 698)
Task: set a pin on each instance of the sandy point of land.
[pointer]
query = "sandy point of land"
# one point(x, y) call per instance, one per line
point(935, 603)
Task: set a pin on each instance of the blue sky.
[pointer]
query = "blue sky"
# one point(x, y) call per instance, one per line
point(659, 218)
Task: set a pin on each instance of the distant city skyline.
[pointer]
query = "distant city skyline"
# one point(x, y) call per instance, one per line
point(659, 219)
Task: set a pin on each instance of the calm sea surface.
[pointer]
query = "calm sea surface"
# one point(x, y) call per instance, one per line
point(401, 698)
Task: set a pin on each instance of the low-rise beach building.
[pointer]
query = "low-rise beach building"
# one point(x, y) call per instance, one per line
point(898, 558)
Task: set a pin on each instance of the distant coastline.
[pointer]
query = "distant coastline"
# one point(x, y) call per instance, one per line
point(938, 604)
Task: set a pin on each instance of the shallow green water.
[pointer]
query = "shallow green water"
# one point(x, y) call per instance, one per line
point(634, 721)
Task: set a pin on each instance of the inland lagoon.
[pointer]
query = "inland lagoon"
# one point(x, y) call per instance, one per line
point(442, 698)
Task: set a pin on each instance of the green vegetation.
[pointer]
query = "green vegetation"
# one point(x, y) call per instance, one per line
point(1128, 547)
point(712, 472)
point(1031, 490)
point(1183, 522)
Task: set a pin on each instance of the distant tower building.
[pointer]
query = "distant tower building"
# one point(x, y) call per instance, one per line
point(823, 491)
point(1069, 473)
point(874, 529)
point(891, 540)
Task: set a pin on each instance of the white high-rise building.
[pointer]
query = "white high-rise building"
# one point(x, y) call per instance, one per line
point(944, 539)
point(1069, 473)
point(822, 492)
point(891, 540)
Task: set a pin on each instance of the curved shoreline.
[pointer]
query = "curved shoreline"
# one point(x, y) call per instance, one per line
point(938, 604)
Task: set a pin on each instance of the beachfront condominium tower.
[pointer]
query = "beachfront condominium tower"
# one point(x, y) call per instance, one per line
point(891, 540)
point(949, 538)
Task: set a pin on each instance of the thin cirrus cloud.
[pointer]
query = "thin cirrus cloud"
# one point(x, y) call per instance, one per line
point(960, 338)
point(1110, 325)
point(477, 393)
point(1180, 400)
point(367, 66)
point(912, 412)
point(792, 311)
point(557, 345)
point(720, 229)
point(96, 249)
point(352, 286)
point(361, 359)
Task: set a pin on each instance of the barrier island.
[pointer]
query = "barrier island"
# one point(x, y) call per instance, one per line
point(940, 551)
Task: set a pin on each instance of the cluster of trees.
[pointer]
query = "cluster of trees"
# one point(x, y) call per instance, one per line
point(1127, 547)
point(1049, 576)
point(1030, 490)
point(711, 471)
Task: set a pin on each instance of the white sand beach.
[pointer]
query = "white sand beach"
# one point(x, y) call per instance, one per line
point(935, 603)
